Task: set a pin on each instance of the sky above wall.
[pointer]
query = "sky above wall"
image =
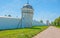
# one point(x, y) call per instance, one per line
point(43, 9)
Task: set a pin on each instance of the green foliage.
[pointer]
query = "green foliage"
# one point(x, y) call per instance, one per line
point(22, 33)
point(58, 26)
point(41, 21)
point(56, 21)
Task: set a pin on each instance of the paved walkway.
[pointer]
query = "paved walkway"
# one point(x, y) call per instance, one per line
point(51, 32)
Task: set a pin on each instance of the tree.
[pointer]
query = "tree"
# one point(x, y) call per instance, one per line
point(5, 15)
point(9, 15)
point(57, 21)
point(41, 21)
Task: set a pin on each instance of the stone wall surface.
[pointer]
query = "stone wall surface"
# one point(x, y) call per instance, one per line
point(8, 23)
point(11, 23)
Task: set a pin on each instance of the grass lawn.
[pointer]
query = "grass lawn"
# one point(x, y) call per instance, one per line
point(22, 33)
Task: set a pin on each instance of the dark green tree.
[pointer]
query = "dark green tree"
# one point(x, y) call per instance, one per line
point(9, 15)
point(41, 21)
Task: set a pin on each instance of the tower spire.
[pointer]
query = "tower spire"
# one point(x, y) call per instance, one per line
point(27, 1)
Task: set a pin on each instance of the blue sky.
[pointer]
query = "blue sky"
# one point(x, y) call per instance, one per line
point(43, 9)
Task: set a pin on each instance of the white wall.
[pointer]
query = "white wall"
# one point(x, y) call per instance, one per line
point(37, 23)
point(27, 20)
point(8, 23)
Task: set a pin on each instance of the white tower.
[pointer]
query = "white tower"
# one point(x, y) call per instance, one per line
point(27, 16)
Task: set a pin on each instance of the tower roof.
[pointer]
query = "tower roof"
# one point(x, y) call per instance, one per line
point(27, 6)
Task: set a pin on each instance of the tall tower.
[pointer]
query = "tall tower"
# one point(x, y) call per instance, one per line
point(27, 15)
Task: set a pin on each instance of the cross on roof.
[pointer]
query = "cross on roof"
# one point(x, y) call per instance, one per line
point(27, 1)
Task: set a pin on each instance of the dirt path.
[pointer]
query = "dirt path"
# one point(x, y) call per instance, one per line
point(51, 32)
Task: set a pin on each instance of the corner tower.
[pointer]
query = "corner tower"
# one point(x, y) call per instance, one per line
point(27, 15)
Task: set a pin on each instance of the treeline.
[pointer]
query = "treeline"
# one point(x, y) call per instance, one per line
point(56, 21)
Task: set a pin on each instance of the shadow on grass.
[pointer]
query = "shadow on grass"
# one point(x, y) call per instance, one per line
point(18, 28)
point(33, 27)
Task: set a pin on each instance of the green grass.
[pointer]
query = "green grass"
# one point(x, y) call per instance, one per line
point(58, 26)
point(22, 33)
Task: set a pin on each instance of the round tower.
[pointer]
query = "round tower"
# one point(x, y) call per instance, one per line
point(27, 15)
